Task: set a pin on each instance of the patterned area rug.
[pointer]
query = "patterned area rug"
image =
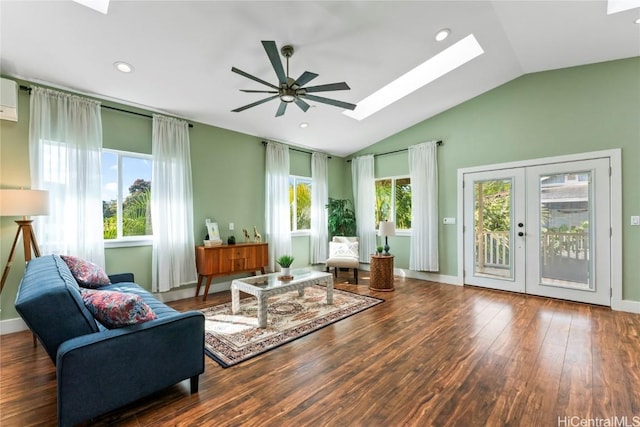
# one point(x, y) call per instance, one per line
point(231, 339)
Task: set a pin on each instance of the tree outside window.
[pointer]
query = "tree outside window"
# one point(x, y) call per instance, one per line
point(300, 202)
point(393, 201)
point(126, 194)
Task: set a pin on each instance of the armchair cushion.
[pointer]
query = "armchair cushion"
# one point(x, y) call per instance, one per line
point(348, 249)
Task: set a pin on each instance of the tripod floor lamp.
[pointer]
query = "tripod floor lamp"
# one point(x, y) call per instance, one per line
point(23, 203)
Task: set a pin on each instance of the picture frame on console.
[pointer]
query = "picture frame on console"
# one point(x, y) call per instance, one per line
point(213, 231)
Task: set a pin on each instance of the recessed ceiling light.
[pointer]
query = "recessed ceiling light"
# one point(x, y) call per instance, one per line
point(637, 21)
point(437, 66)
point(442, 34)
point(304, 125)
point(123, 66)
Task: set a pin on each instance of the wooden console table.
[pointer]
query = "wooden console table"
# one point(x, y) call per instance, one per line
point(224, 260)
point(381, 277)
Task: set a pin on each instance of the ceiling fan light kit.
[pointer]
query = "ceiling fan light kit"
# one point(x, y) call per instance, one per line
point(289, 90)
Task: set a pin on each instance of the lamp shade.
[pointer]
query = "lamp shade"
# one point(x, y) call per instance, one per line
point(387, 228)
point(24, 202)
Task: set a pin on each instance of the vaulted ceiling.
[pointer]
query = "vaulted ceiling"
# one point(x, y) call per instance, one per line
point(183, 51)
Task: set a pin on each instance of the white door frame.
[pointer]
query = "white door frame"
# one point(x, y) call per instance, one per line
point(615, 158)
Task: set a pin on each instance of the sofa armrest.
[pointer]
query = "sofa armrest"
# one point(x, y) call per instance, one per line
point(122, 277)
point(119, 366)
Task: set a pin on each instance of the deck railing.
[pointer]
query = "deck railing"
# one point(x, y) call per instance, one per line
point(492, 247)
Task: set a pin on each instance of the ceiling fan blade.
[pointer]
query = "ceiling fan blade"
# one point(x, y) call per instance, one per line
point(305, 78)
point(258, 91)
point(262, 101)
point(281, 109)
point(303, 105)
point(254, 78)
point(274, 56)
point(328, 87)
point(333, 102)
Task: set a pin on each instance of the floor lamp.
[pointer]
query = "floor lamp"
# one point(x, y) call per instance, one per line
point(23, 203)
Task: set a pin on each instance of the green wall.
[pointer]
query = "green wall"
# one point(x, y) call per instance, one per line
point(573, 110)
point(228, 185)
point(565, 111)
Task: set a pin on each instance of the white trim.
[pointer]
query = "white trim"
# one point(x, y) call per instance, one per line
point(615, 158)
point(9, 326)
point(420, 275)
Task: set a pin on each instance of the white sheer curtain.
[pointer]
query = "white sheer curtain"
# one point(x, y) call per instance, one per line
point(277, 206)
point(423, 169)
point(364, 196)
point(65, 139)
point(173, 259)
point(319, 199)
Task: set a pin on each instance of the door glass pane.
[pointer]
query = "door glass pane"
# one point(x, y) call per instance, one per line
point(565, 234)
point(492, 228)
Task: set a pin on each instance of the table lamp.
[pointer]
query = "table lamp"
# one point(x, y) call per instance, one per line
point(386, 229)
point(23, 203)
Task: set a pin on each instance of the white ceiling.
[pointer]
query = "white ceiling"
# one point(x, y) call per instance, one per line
point(183, 52)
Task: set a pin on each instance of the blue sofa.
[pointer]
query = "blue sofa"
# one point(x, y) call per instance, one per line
point(99, 369)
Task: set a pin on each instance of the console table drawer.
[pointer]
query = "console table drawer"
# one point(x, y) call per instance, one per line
point(229, 259)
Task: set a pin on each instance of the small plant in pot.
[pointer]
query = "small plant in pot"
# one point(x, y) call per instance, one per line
point(285, 262)
point(379, 250)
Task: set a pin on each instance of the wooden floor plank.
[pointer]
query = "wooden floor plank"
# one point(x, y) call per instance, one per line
point(431, 354)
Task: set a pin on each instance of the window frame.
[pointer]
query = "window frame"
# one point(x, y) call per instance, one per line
point(124, 241)
point(295, 231)
point(392, 209)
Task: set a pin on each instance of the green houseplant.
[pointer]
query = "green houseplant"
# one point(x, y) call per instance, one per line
point(285, 262)
point(341, 218)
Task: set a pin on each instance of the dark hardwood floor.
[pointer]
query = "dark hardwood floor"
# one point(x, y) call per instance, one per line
point(432, 354)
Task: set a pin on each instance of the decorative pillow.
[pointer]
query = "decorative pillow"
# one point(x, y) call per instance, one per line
point(343, 249)
point(117, 309)
point(341, 239)
point(87, 274)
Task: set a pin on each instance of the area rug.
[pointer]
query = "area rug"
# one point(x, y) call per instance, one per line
point(233, 338)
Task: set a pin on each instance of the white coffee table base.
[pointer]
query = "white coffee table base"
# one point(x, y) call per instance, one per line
point(262, 287)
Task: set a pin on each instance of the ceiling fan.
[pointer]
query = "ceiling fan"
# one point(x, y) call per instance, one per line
point(289, 90)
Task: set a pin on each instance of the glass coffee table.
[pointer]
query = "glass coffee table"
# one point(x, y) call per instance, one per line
point(262, 287)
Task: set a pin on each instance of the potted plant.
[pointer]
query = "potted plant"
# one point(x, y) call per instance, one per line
point(341, 218)
point(285, 262)
point(379, 250)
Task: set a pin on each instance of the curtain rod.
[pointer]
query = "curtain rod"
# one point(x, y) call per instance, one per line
point(438, 143)
point(28, 89)
point(295, 149)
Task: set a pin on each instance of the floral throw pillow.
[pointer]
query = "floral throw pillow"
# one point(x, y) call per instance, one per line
point(117, 309)
point(87, 274)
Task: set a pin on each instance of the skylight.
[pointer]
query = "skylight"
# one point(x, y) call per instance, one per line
point(437, 66)
point(615, 6)
point(101, 6)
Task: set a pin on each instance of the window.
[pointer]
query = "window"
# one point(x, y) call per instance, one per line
point(393, 201)
point(126, 195)
point(300, 202)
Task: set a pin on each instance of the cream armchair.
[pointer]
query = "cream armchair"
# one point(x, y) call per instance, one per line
point(343, 253)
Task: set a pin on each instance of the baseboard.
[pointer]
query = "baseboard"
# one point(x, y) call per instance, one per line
point(10, 326)
point(421, 275)
point(626, 305)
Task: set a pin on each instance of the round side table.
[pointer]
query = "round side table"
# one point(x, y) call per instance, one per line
point(381, 277)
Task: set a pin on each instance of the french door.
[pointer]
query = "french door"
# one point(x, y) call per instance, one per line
point(541, 230)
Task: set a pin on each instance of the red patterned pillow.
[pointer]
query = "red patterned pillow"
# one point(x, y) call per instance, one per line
point(87, 274)
point(117, 309)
